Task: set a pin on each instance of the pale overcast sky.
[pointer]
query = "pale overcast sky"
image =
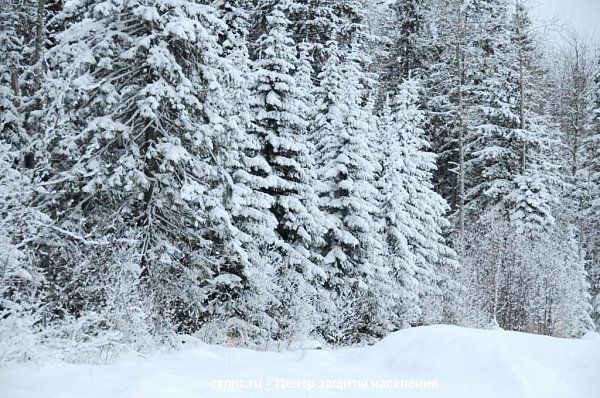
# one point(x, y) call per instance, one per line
point(584, 15)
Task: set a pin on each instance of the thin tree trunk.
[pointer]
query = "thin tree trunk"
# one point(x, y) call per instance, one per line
point(39, 42)
point(521, 86)
point(461, 127)
point(497, 289)
point(15, 85)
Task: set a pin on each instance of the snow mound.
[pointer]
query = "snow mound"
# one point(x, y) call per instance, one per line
point(435, 361)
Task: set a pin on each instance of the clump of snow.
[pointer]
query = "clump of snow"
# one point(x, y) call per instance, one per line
point(449, 361)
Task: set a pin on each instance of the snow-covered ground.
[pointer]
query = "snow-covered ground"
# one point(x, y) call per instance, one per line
point(435, 361)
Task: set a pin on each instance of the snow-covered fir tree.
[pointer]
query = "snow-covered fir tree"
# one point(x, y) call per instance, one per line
point(350, 201)
point(420, 261)
point(139, 168)
point(280, 126)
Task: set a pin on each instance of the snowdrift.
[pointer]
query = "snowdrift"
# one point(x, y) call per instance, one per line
point(434, 361)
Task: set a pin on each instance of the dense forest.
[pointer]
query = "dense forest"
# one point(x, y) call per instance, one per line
point(252, 171)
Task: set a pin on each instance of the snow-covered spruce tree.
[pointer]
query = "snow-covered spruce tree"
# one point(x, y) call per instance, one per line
point(502, 135)
point(137, 95)
point(304, 78)
point(400, 259)
point(420, 261)
point(240, 220)
point(281, 128)
point(350, 200)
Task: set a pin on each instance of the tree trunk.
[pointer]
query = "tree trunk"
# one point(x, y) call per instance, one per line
point(39, 42)
point(461, 126)
point(521, 86)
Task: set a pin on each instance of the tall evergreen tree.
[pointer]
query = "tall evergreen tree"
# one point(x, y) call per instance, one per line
point(281, 127)
point(414, 215)
point(138, 167)
point(350, 200)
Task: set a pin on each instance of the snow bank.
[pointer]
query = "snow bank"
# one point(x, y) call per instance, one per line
point(435, 361)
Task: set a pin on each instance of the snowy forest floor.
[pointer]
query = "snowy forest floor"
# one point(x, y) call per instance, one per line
point(434, 361)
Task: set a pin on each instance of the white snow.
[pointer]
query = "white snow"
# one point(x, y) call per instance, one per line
point(463, 362)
